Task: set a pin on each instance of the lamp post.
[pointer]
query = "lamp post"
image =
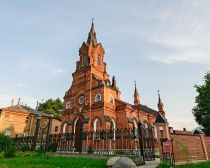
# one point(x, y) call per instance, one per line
point(141, 141)
point(38, 119)
point(48, 132)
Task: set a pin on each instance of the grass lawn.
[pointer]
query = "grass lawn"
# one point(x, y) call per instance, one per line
point(51, 162)
point(198, 165)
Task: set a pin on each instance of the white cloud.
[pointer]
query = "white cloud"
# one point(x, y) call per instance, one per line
point(58, 71)
point(40, 63)
point(6, 99)
point(20, 84)
point(182, 36)
point(191, 56)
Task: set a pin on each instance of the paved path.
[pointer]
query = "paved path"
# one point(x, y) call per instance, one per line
point(151, 164)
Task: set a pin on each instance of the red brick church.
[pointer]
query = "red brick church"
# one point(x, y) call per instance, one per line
point(93, 100)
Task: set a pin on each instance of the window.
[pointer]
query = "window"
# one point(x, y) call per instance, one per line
point(161, 131)
point(113, 128)
point(135, 127)
point(155, 132)
point(98, 98)
point(65, 128)
point(96, 128)
point(82, 100)
point(111, 100)
point(56, 128)
point(146, 129)
point(84, 60)
point(68, 105)
point(99, 61)
point(8, 132)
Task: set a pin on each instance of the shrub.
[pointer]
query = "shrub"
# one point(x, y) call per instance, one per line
point(5, 142)
point(53, 147)
point(165, 164)
point(10, 152)
point(26, 154)
point(41, 149)
point(25, 148)
point(90, 149)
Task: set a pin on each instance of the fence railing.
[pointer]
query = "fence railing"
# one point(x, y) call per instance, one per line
point(105, 142)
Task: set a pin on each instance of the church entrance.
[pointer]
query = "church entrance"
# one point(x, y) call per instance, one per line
point(78, 134)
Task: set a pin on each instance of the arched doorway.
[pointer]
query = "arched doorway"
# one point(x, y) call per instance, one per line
point(78, 127)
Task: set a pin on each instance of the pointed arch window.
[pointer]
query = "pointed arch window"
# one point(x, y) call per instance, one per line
point(65, 128)
point(96, 128)
point(98, 60)
point(113, 128)
point(98, 97)
point(135, 128)
point(84, 60)
point(111, 100)
point(68, 105)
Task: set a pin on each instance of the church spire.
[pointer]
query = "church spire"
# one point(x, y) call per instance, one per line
point(92, 35)
point(160, 105)
point(136, 96)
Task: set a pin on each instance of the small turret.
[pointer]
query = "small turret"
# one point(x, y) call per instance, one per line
point(136, 96)
point(12, 102)
point(160, 105)
point(114, 84)
point(92, 35)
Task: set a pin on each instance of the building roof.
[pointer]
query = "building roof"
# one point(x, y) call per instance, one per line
point(140, 107)
point(147, 109)
point(160, 118)
point(24, 109)
point(180, 132)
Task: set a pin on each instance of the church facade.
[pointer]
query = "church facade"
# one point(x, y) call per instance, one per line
point(93, 100)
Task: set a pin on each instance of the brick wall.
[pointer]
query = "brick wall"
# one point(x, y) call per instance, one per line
point(207, 142)
point(193, 144)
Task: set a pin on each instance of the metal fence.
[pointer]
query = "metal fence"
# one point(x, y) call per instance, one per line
point(130, 141)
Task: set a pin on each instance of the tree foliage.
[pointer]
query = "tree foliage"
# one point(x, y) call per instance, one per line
point(202, 109)
point(51, 106)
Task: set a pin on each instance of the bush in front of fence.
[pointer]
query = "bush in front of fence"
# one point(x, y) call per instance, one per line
point(5, 142)
point(7, 147)
point(165, 164)
point(10, 152)
point(53, 147)
point(25, 147)
point(41, 149)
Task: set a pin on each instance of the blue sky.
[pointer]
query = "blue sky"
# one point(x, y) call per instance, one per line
point(162, 45)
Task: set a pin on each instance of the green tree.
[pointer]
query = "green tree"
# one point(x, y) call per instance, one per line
point(202, 109)
point(51, 106)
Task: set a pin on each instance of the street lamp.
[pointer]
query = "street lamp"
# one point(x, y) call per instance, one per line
point(38, 119)
point(48, 131)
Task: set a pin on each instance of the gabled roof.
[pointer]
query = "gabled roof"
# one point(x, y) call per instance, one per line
point(160, 119)
point(140, 107)
point(24, 109)
point(147, 109)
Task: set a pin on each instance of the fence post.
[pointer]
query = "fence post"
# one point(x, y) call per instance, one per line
point(141, 141)
point(204, 146)
point(48, 132)
point(33, 146)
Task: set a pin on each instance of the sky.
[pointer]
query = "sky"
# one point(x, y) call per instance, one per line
point(163, 45)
